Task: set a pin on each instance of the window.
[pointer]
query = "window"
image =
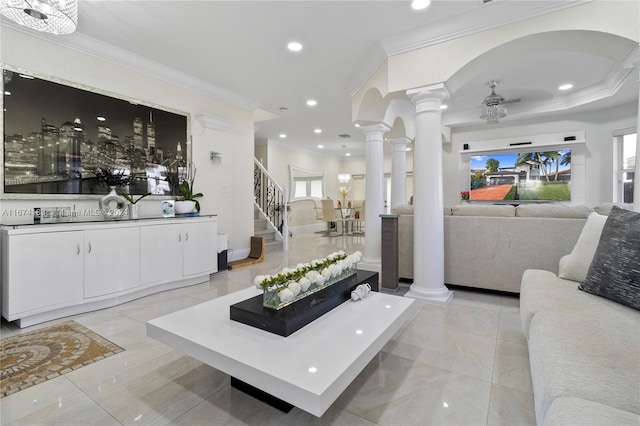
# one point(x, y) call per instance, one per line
point(309, 187)
point(306, 183)
point(625, 167)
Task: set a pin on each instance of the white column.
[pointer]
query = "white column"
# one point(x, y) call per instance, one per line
point(399, 171)
point(374, 196)
point(428, 220)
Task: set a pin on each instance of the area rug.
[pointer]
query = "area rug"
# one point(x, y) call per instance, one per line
point(34, 357)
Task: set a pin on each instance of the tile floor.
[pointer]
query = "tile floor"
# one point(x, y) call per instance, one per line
point(461, 364)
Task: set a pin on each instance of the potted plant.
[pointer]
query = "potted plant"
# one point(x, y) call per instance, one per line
point(187, 202)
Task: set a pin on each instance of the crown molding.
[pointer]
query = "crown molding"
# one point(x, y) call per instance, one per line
point(98, 49)
point(212, 122)
point(494, 15)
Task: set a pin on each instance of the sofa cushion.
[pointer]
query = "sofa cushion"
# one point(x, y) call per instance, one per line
point(577, 411)
point(575, 265)
point(505, 210)
point(593, 358)
point(553, 210)
point(404, 209)
point(615, 270)
point(542, 291)
point(605, 208)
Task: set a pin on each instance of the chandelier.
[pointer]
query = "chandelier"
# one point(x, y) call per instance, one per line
point(343, 177)
point(493, 108)
point(52, 16)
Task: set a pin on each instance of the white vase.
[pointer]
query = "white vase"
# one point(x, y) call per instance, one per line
point(133, 211)
point(185, 206)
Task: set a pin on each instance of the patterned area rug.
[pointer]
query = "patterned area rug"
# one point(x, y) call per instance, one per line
point(32, 358)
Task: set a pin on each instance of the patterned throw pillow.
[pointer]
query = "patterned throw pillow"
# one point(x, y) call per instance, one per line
point(615, 270)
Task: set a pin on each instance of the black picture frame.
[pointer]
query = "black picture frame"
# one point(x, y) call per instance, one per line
point(61, 138)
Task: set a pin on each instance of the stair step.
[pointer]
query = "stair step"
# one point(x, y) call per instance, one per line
point(267, 235)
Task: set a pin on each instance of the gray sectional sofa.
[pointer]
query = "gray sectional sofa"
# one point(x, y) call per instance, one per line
point(584, 349)
point(490, 246)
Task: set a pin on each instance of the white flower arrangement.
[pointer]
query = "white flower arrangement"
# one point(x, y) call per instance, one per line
point(289, 283)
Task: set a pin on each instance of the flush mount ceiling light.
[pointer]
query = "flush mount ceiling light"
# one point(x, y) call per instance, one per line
point(565, 86)
point(312, 102)
point(318, 131)
point(420, 4)
point(283, 135)
point(294, 46)
point(494, 105)
point(51, 16)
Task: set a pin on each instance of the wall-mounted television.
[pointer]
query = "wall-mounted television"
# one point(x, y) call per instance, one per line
point(521, 176)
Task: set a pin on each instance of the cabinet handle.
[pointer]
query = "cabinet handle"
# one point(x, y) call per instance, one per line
point(89, 247)
point(179, 237)
point(187, 236)
point(77, 248)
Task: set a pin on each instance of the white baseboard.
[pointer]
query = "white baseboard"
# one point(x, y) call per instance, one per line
point(314, 227)
point(238, 254)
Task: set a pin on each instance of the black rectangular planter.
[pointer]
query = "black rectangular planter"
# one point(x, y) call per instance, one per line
point(291, 318)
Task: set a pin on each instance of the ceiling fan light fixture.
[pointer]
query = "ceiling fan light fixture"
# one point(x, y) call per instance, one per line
point(493, 109)
point(51, 16)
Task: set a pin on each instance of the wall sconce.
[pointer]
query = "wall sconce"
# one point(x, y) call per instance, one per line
point(213, 155)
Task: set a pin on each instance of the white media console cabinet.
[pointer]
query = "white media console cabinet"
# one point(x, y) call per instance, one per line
point(51, 271)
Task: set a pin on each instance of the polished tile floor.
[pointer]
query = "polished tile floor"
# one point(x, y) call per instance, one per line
point(463, 364)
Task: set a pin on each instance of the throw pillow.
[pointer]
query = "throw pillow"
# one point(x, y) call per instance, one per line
point(575, 265)
point(615, 270)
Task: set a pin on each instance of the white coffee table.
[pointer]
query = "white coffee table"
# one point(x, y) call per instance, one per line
point(308, 369)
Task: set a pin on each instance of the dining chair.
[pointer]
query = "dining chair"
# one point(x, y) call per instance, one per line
point(329, 216)
point(357, 218)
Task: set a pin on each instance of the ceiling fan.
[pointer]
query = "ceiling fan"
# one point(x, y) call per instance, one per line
point(494, 105)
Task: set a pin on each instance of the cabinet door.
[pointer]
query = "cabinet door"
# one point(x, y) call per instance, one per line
point(42, 271)
point(111, 261)
point(160, 254)
point(200, 252)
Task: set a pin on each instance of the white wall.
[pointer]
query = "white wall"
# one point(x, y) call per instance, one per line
point(227, 183)
point(598, 125)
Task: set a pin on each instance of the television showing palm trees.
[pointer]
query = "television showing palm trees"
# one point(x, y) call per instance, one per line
point(531, 175)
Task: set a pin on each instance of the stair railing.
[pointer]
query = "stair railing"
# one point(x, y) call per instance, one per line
point(271, 200)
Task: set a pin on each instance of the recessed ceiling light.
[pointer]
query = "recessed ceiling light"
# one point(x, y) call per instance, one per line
point(283, 135)
point(357, 125)
point(565, 86)
point(320, 146)
point(101, 118)
point(420, 4)
point(444, 106)
point(312, 102)
point(408, 148)
point(317, 130)
point(312, 369)
point(294, 46)
point(348, 154)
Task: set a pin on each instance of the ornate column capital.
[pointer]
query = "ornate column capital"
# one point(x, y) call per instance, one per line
point(374, 129)
point(428, 98)
point(399, 144)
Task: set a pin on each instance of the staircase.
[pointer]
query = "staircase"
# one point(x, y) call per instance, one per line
point(262, 228)
point(270, 202)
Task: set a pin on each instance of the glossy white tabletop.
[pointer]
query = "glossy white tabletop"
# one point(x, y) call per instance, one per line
point(310, 368)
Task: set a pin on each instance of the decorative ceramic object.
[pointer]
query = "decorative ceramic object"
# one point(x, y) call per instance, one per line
point(113, 205)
